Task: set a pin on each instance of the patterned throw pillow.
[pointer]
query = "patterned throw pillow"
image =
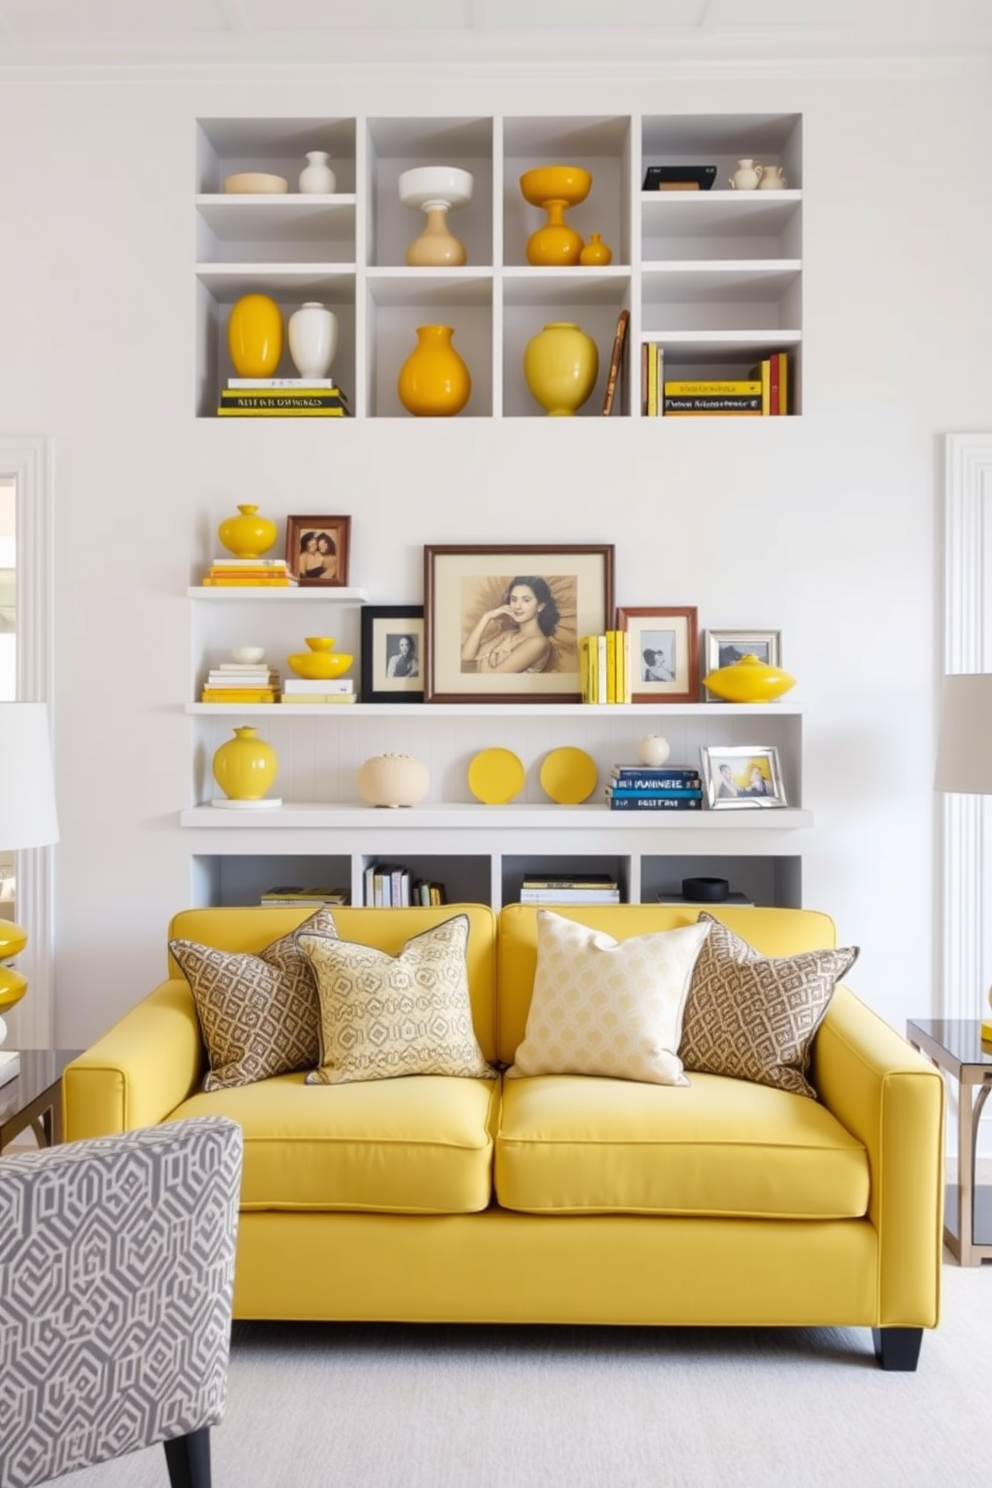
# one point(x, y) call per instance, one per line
point(258, 1014)
point(754, 1016)
point(607, 1007)
point(383, 1016)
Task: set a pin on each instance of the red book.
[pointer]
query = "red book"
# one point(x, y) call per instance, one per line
point(774, 382)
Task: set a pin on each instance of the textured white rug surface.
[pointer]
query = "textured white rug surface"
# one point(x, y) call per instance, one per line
point(382, 1406)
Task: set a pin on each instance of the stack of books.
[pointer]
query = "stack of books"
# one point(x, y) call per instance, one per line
point(763, 392)
point(642, 788)
point(294, 894)
point(773, 374)
point(241, 682)
point(282, 397)
point(246, 573)
point(604, 667)
point(390, 885)
point(326, 690)
point(569, 888)
point(741, 395)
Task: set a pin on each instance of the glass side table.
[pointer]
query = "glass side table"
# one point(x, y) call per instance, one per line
point(955, 1045)
point(34, 1097)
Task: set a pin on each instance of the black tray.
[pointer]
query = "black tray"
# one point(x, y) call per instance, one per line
point(701, 176)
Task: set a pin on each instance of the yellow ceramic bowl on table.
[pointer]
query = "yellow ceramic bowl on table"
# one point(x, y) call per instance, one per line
point(565, 183)
point(320, 663)
point(749, 680)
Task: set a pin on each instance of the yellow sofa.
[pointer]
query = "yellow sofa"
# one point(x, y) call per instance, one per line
point(559, 1198)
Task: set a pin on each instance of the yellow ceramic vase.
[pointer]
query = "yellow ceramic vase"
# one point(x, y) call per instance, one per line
point(556, 243)
point(254, 336)
point(321, 662)
point(561, 364)
point(245, 767)
point(596, 253)
point(434, 381)
point(247, 535)
point(748, 681)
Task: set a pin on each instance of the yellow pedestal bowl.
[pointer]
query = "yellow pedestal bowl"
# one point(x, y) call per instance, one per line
point(320, 663)
point(749, 680)
point(565, 183)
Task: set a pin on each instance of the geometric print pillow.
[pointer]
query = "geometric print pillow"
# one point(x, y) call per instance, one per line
point(754, 1017)
point(606, 1007)
point(383, 1016)
point(258, 1014)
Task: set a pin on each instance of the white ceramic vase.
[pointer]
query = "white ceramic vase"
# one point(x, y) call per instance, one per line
point(653, 750)
point(317, 177)
point(313, 339)
point(393, 780)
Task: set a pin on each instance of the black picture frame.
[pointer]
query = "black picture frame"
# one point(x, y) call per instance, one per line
point(382, 626)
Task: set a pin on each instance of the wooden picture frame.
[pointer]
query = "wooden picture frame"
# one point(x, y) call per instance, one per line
point(392, 654)
point(669, 635)
point(308, 558)
point(482, 644)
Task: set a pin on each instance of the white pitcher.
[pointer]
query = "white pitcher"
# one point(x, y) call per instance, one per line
point(747, 176)
point(772, 179)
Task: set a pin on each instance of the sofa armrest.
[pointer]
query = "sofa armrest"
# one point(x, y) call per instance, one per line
point(142, 1068)
point(892, 1099)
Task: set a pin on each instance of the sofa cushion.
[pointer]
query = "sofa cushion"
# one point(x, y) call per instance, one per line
point(607, 1007)
point(383, 1016)
point(575, 1145)
point(258, 1014)
point(419, 1145)
point(754, 1016)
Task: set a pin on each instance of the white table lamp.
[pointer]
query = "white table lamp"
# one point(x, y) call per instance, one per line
point(27, 819)
point(964, 748)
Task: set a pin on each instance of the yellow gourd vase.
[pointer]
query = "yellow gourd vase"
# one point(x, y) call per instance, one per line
point(749, 680)
point(248, 535)
point(596, 253)
point(254, 335)
point(561, 364)
point(245, 767)
point(434, 382)
point(556, 243)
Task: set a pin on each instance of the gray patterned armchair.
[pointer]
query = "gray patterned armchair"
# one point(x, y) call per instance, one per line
point(116, 1276)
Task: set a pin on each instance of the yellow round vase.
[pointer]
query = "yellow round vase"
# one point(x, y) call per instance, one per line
point(254, 335)
point(247, 535)
point(561, 364)
point(245, 767)
point(434, 381)
point(749, 680)
point(556, 244)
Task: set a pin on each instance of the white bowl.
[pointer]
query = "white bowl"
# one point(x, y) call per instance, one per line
point(255, 183)
point(436, 185)
point(248, 654)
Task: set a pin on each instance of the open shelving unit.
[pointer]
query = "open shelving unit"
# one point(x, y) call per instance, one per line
point(716, 275)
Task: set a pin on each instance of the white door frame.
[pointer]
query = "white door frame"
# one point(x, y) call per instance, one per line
point(29, 460)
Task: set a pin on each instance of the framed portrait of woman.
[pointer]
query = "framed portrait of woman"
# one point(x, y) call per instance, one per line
point(392, 653)
point(503, 624)
point(317, 550)
point(663, 653)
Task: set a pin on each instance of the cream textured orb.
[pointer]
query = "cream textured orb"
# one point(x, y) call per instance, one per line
point(653, 750)
point(393, 780)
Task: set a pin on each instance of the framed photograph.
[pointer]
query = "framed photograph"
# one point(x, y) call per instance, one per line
point(724, 647)
point(664, 647)
point(741, 775)
point(392, 653)
point(317, 550)
point(502, 624)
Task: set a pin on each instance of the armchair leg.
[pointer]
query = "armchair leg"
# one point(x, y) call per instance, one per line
point(188, 1459)
point(898, 1348)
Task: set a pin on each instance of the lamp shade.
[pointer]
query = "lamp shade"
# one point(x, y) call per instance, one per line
point(964, 748)
point(27, 788)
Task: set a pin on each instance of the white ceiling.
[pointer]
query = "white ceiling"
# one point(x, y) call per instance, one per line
point(46, 33)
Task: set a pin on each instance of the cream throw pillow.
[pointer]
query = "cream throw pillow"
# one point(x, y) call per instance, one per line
point(754, 1016)
point(258, 1014)
point(383, 1016)
point(607, 1007)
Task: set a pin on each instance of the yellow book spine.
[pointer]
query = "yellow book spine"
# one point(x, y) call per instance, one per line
point(652, 381)
point(747, 386)
point(611, 666)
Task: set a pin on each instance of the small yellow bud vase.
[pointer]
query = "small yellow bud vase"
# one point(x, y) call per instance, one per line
point(434, 382)
point(596, 253)
point(561, 364)
point(247, 535)
point(749, 680)
point(254, 335)
point(245, 767)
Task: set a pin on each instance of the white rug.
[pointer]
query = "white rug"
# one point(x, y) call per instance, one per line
point(443, 1407)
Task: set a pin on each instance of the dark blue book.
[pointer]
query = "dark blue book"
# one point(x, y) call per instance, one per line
point(655, 803)
point(672, 775)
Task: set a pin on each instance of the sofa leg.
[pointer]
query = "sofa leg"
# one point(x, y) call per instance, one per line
point(188, 1459)
point(898, 1348)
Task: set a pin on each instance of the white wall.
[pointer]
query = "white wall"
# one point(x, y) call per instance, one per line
point(828, 529)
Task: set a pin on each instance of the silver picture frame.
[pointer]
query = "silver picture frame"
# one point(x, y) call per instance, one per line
point(724, 647)
point(740, 777)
